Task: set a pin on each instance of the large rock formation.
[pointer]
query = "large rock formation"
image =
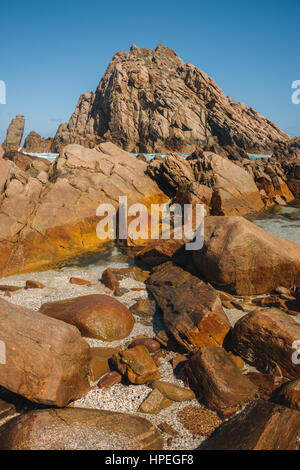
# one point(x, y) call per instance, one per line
point(192, 311)
point(14, 133)
point(48, 217)
point(227, 181)
point(46, 360)
point(36, 144)
point(210, 179)
point(153, 101)
point(242, 258)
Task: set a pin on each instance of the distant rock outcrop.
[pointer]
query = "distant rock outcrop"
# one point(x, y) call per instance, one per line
point(152, 101)
point(14, 134)
point(36, 144)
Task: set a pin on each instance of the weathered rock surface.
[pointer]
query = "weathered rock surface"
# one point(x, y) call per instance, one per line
point(267, 384)
point(222, 385)
point(79, 429)
point(149, 343)
point(160, 251)
point(110, 379)
point(137, 365)
point(192, 311)
point(289, 395)
point(14, 134)
point(99, 363)
point(96, 316)
point(45, 224)
point(261, 426)
point(243, 259)
point(153, 101)
point(234, 189)
point(34, 143)
point(265, 339)
point(154, 403)
point(210, 179)
point(144, 308)
point(34, 285)
point(172, 391)
point(47, 361)
point(33, 165)
point(112, 277)
point(227, 181)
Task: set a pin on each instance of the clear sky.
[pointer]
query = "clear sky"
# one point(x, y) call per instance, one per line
point(52, 51)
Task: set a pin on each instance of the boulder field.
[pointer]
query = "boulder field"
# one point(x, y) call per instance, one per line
point(66, 377)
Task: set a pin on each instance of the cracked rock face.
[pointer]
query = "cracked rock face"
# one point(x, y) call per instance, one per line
point(152, 101)
point(48, 214)
point(36, 144)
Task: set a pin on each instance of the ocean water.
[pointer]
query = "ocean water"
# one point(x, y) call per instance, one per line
point(283, 221)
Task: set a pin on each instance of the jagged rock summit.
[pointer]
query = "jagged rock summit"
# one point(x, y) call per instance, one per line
point(152, 101)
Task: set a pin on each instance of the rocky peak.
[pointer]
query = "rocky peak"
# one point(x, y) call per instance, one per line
point(152, 101)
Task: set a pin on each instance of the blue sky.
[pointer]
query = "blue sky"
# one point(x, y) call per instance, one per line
point(52, 51)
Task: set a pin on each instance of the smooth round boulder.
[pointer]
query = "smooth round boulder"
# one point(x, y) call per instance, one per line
point(96, 316)
point(79, 429)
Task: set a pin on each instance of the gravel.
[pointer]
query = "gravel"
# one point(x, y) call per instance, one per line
point(124, 398)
